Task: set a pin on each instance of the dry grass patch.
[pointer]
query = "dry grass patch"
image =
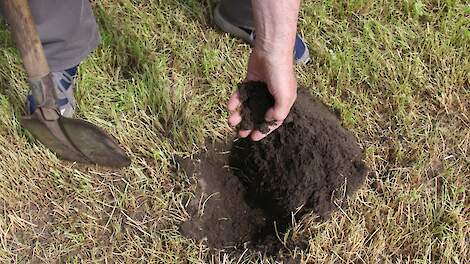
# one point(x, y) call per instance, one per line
point(397, 71)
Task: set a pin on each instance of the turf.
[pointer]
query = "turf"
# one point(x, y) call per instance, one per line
point(396, 71)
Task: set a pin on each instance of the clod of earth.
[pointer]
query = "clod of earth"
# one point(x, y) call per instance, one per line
point(311, 162)
point(256, 100)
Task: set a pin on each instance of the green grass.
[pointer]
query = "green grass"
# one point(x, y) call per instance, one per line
point(398, 71)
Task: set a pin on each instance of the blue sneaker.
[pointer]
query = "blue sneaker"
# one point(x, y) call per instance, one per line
point(64, 84)
point(301, 52)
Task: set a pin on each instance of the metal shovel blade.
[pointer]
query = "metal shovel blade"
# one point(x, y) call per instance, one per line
point(94, 143)
point(76, 140)
point(50, 135)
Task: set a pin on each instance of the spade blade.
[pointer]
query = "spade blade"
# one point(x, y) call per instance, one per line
point(94, 143)
point(50, 135)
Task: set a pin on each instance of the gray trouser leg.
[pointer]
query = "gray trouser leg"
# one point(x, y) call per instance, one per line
point(238, 12)
point(67, 29)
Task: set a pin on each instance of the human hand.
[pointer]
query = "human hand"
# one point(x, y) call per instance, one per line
point(277, 71)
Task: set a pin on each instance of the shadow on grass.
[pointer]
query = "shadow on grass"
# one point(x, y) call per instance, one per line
point(199, 10)
point(122, 41)
point(133, 55)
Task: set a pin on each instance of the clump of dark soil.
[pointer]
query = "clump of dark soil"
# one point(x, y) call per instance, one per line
point(310, 163)
point(256, 100)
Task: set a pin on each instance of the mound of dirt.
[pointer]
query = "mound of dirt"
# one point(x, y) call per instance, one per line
point(308, 164)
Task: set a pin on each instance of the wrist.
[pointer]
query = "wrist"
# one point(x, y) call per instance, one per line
point(276, 26)
point(274, 59)
point(278, 46)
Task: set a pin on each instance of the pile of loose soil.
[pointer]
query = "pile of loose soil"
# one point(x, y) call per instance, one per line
point(308, 164)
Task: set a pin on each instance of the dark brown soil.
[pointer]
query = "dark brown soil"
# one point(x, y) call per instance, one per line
point(308, 164)
point(219, 212)
point(256, 100)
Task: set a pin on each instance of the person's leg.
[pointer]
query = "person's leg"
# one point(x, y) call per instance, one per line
point(67, 29)
point(236, 17)
point(237, 12)
point(68, 32)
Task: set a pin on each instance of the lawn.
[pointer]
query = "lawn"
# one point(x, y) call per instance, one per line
point(397, 71)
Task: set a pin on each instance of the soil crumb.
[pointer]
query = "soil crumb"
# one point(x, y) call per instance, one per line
point(256, 100)
point(311, 163)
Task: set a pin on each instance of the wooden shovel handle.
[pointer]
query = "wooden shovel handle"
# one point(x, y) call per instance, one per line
point(18, 15)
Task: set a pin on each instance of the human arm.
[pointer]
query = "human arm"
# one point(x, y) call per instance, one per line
point(271, 60)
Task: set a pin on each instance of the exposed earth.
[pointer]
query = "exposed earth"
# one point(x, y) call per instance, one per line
point(311, 163)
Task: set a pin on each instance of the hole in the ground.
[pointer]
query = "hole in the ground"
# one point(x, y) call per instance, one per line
point(311, 163)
